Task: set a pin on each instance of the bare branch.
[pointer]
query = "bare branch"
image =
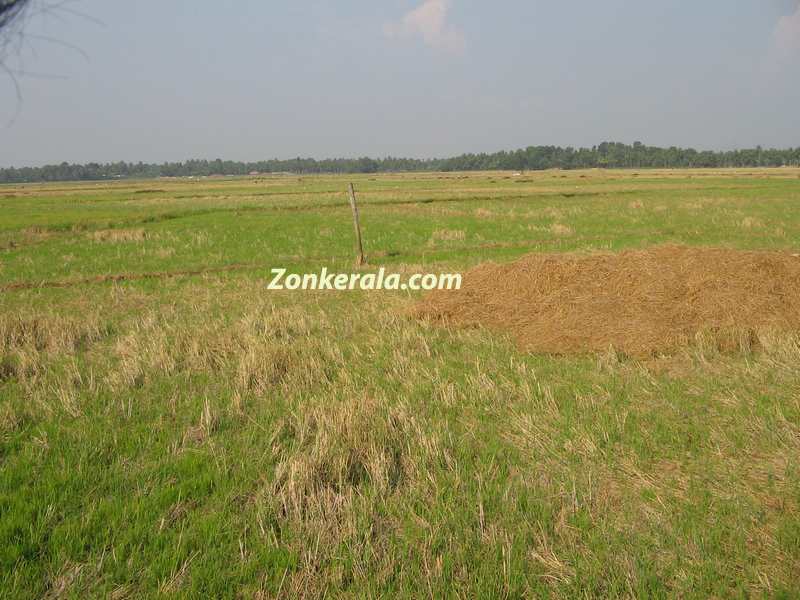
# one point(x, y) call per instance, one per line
point(10, 10)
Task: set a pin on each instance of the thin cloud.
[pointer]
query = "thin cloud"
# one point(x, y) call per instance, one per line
point(787, 32)
point(429, 21)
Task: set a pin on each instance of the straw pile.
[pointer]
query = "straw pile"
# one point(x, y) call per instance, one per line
point(641, 302)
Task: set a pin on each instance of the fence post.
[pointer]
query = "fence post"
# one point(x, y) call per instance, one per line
point(360, 260)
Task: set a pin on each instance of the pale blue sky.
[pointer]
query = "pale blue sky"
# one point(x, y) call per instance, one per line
point(248, 80)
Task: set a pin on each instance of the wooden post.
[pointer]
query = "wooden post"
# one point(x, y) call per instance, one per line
point(360, 260)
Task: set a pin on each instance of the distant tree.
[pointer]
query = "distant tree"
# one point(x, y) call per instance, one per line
point(605, 155)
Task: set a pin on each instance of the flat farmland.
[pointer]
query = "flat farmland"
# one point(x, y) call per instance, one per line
point(169, 426)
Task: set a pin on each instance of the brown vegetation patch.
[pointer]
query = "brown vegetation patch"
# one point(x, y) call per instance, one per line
point(118, 235)
point(639, 302)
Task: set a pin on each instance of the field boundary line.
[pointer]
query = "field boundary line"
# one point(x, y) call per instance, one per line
point(114, 277)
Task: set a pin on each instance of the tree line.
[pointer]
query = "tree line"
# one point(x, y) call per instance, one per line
point(610, 155)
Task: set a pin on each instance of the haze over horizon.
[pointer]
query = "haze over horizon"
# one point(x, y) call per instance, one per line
point(422, 78)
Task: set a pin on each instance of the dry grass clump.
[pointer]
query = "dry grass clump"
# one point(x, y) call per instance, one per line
point(448, 235)
point(559, 229)
point(118, 235)
point(638, 302)
point(333, 452)
point(264, 349)
point(164, 252)
point(28, 342)
point(60, 583)
point(51, 333)
point(10, 420)
point(751, 223)
point(340, 463)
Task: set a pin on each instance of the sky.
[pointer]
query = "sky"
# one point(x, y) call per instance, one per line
point(171, 80)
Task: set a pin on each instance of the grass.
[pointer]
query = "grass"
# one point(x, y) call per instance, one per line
point(198, 436)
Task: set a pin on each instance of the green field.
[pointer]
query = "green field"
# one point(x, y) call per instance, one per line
point(168, 427)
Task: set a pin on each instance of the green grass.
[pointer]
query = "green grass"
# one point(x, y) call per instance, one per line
point(199, 436)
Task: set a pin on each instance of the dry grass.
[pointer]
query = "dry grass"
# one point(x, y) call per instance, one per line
point(559, 229)
point(447, 235)
point(266, 350)
point(114, 236)
point(29, 344)
point(751, 223)
point(51, 333)
point(263, 350)
point(63, 581)
point(340, 463)
point(639, 302)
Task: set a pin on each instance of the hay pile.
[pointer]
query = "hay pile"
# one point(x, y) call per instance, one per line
point(639, 302)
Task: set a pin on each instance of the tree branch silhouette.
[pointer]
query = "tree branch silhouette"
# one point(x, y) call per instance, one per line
point(10, 10)
point(15, 38)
